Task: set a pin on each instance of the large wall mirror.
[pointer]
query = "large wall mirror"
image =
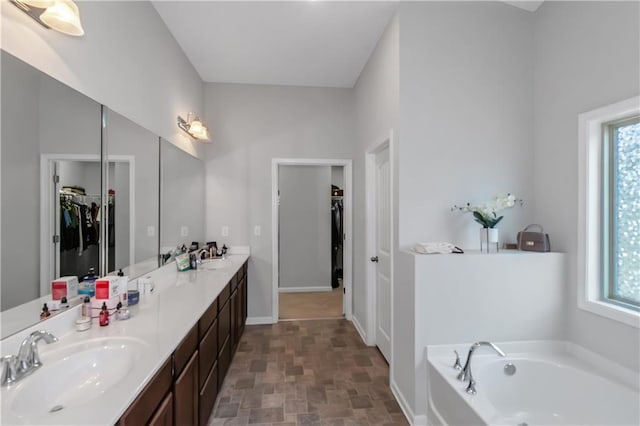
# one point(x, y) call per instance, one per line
point(75, 195)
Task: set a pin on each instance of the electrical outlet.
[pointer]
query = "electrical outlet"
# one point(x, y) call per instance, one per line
point(257, 230)
point(225, 231)
point(184, 231)
point(151, 231)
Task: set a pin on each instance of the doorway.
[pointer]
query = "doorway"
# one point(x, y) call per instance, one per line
point(311, 231)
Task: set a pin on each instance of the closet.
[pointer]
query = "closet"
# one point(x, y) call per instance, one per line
point(79, 232)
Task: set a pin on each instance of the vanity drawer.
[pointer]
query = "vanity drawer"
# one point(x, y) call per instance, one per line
point(150, 398)
point(207, 318)
point(224, 296)
point(208, 353)
point(208, 395)
point(185, 350)
point(164, 415)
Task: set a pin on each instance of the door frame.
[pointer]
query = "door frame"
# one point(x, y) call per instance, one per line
point(49, 207)
point(369, 267)
point(347, 270)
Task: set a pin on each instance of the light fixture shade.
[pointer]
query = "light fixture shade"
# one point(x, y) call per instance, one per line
point(40, 4)
point(63, 16)
point(198, 130)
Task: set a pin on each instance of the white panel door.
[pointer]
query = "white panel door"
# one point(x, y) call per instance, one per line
point(382, 257)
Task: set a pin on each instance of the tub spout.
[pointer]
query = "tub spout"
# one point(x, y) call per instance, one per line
point(465, 374)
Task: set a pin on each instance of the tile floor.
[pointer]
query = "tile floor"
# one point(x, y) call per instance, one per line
point(311, 305)
point(316, 372)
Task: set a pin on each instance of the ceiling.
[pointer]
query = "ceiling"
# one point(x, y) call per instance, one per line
point(292, 43)
point(302, 43)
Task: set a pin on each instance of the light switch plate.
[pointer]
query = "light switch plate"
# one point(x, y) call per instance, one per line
point(257, 230)
point(184, 231)
point(151, 231)
point(225, 231)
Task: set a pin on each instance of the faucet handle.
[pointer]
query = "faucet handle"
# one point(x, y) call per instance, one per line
point(471, 389)
point(457, 364)
point(8, 374)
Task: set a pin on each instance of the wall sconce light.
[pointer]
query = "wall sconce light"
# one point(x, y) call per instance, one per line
point(60, 15)
point(194, 127)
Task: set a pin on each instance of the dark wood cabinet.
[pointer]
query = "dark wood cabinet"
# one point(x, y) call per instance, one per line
point(186, 395)
point(164, 414)
point(184, 390)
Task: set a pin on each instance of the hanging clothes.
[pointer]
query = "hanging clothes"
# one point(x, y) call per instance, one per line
point(336, 241)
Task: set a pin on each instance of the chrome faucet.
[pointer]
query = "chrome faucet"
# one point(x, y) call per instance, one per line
point(27, 361)
point(465, 374)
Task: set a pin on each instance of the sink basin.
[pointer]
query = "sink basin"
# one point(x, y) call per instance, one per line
point(76, 375)
point(214, 264)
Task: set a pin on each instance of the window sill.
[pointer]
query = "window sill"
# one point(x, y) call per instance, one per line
point(611, 311)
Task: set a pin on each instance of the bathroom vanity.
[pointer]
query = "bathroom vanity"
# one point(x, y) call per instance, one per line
point(165, 365)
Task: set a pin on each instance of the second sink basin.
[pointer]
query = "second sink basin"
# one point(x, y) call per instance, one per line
point(213, 264)
point(76, 376)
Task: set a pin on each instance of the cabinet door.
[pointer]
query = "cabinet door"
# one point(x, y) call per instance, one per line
point(208, 353)
point(224, 324)
point(185, 388)
point(234, 320)
point(164, 415)
point(208, 395)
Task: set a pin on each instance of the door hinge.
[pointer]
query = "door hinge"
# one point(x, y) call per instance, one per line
point(56, 179)
point(344, 290)
point(56, 239)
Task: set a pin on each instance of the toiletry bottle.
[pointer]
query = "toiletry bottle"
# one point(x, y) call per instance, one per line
point(193, 261)
point(45, 312)
point(104, 315)
point(86, 308)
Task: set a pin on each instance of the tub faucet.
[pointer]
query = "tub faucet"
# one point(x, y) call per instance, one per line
point(465, 374)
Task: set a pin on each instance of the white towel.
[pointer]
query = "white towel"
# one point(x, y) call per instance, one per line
point(433, 248)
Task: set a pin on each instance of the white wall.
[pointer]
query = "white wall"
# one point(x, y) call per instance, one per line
point(127, 60)
point(305, 226)
point(377, 103)
point(587, 55)
point(251, 124)
point(466, 100)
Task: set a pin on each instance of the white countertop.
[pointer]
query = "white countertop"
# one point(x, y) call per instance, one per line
point(163, 320)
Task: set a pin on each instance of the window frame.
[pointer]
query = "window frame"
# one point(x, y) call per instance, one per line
point(592, 228)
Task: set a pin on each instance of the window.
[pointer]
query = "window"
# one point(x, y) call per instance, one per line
point(609, 212)
point(621, 187)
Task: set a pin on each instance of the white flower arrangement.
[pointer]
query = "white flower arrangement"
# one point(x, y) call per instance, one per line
point(486, 214)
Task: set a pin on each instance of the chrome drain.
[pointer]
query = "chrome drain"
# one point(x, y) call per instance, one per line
point(510, 370)
point(56, 408)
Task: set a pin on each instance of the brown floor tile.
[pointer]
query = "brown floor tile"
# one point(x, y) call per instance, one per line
point(266, 415)
point(306, 373)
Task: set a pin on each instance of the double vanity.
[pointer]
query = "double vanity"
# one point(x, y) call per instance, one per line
point(163, 366)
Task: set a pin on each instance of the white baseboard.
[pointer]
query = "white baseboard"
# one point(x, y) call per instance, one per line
point(316, 289)
point(259, 320)
point(406, 409)
point(359, 328)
